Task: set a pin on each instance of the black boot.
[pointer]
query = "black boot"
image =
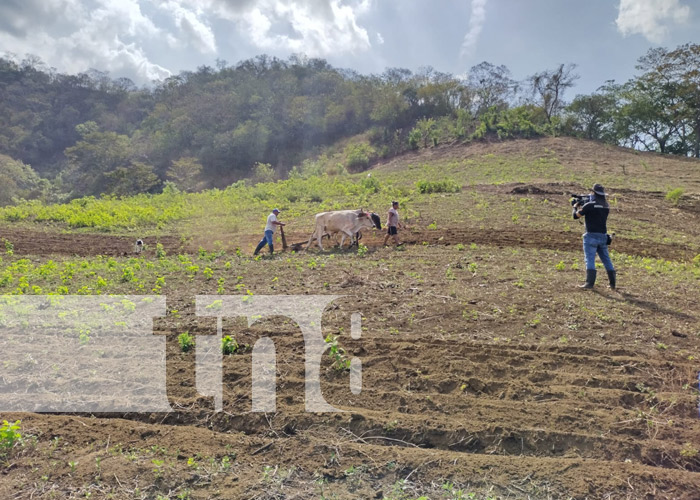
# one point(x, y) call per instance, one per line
point(259, 247)
point(590, 279)
point(611, 276)
point(272, 249)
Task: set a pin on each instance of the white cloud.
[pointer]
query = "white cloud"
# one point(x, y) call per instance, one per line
point(476, 23)
point(124, 15)
point(83, 50)
point(650, 18)
point(125, 37)
point(380, 39)
point(76, 35)
point(315, 27)
point(110, 38)
point(192, 25)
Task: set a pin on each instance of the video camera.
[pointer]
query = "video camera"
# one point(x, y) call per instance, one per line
point(579, 199)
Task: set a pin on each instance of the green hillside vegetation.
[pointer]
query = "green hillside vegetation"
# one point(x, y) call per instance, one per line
point(89, 135)
point(447, 185)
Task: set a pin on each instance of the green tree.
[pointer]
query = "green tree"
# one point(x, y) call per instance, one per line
point(665, 100)
point(427, 130)
point(358, 156)
point(135, 178)
point(263, 172)
point(18, 180)
point(648, 115)
point(492, 87)
point(96, 154)
point(185, 174)
point(592, 116)
point(548, 88)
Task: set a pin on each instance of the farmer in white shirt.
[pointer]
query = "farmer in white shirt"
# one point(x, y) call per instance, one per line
point(392, 223)
point(269, 231)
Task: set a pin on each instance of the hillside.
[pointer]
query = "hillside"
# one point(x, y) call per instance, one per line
point(68, 136)
point(486, 372)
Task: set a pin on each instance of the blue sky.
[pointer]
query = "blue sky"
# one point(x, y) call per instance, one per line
point(147, 40)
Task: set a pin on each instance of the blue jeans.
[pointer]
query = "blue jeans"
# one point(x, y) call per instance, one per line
point(596, 243)
point(267, 238)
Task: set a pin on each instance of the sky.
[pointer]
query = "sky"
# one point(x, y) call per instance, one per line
point(148, 40)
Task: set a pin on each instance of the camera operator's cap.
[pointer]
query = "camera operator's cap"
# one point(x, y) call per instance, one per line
point(394, 203)
point(598, 189)
point(276, 210)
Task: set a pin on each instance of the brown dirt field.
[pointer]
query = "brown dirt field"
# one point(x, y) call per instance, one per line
point(504, 381)
point(33, 242)
point(28, 242)
point(442, 402)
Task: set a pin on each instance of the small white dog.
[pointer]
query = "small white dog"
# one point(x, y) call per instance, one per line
point(138, 246)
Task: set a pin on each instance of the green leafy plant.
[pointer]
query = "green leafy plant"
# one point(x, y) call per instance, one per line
point(9, 436)
point(158, 467)
point(9, 247)
point(127, 275)
point(160, 251)
point(443, 186)
point(84, 336)
point(675, 195)
point(689, 451)
point(337, 354)
point(186, 341)
point(229, 345)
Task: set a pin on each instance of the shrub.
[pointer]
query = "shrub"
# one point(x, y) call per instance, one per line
point(519, 122)
point(371, 185)
point(358, 156)
point(425, 131)
point(675, 195)
point(414, 137)
point(444, 186)
point(263, 172)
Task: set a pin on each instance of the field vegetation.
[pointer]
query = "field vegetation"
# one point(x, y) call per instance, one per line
point(487, 374)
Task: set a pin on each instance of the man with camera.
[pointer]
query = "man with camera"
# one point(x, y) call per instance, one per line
point(595, 209)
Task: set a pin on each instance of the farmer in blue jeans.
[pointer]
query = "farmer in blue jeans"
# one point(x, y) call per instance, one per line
point(270, 227)
point(595, 240)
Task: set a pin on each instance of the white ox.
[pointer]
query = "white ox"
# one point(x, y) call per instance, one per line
point(347, 222)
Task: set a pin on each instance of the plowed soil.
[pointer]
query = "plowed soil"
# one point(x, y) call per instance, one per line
point(33, 242)
point(486, 372)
